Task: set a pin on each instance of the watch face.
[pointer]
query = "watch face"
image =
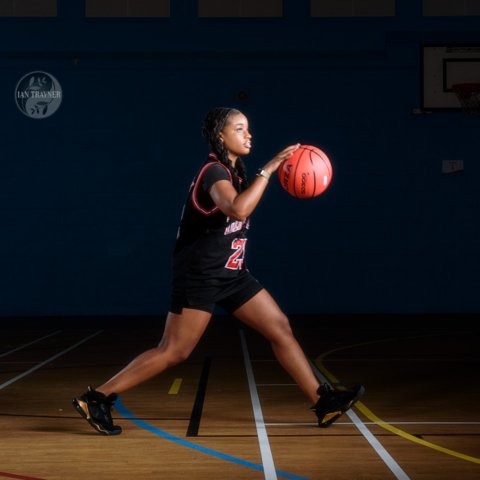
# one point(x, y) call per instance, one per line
point(263, 173)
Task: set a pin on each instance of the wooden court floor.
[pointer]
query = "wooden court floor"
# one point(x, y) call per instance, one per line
point(230, 412)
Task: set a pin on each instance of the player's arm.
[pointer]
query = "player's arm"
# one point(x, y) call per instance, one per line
point(241, 205)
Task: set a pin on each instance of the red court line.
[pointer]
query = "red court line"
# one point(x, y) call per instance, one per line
point(18, 477)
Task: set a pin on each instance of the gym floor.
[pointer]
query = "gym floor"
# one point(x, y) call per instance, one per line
point(231, 412)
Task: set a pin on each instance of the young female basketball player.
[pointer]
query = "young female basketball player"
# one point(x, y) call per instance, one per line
point(209, 269)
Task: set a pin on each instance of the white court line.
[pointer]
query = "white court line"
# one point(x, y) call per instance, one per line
point(403, 360)
point(265, 451)
point(379, 448)
point(296, 424)
point(40, 365)
point(372, 440)
point(4, 354)
point(277, 385)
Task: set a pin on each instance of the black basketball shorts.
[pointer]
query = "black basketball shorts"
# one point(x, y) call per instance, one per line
point(229, 294)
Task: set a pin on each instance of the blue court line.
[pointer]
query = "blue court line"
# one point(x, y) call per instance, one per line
point(185, 443)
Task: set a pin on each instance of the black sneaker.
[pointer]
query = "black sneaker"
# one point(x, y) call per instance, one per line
point(96, 408)
point(333, 403)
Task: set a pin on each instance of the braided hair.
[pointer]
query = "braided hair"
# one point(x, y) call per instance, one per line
point(213, 124)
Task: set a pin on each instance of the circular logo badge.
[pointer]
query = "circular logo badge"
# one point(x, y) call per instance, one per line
point(38, 94)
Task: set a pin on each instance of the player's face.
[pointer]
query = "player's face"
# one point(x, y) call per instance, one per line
point(236, 137)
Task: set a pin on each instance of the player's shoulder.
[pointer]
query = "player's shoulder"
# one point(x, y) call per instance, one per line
point(214, 168)
point(214, 162)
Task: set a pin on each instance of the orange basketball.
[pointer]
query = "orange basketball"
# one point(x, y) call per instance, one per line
point(307, 173)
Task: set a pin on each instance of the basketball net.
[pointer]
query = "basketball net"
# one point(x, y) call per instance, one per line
point(468, 95)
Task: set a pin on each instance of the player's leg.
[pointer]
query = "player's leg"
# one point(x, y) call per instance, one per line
point(263, 314)
point(181, 335)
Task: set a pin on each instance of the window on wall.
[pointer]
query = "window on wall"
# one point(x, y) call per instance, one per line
point(28, 8)
point(240, 8)
point(127, 8)
point(440, 8)
point(352, 8)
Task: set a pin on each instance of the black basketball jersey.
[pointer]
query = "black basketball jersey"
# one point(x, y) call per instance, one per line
point(210, 246)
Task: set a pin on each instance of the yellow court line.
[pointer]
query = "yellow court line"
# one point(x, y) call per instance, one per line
point(372, 417)
point(175, 388)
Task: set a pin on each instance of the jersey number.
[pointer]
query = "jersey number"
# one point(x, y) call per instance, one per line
point(235, 261)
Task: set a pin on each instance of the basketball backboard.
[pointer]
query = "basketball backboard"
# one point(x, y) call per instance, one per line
point(443, 66)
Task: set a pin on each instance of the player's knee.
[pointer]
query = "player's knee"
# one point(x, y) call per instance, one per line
point(281, 330)
point(177, 355)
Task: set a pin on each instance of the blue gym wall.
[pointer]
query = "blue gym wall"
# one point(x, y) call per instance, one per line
point(91, 197)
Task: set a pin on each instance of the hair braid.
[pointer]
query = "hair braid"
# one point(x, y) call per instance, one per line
point(213, 124)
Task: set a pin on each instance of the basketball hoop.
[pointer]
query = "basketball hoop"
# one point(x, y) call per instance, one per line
point(468, 95)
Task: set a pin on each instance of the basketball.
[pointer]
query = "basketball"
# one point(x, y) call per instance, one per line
point(307, 173)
